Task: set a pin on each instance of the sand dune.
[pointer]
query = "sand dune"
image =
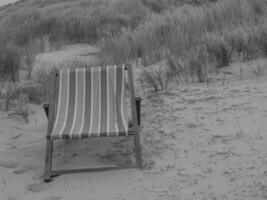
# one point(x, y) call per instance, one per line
point(199, 142)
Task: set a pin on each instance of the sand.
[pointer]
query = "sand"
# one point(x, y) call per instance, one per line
point(199, 142)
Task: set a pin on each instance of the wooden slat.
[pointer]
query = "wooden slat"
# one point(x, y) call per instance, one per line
point(82, 170)
point(53, 97)
point(134, 118)
point(51, 119)
point(48, 160)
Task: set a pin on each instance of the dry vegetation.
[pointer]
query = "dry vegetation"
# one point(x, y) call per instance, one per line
point(192, 36)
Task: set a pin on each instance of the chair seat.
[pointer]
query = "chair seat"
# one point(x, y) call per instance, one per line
point(91, 103)
point(67, 135)
point(93, 135)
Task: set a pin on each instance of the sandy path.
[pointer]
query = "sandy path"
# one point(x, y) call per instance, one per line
point(67, 55)
point(199, 142)
point(214, 142)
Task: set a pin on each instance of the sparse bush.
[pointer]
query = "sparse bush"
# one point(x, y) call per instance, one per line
point(249, 42)
point(150, 80)
point(10, 92)
point(196, 68)
point(16, 98)
point(7, 94)
point(13, 101)
point(42, 83)
point(258, 70)
point(176, 69)
point(156, 5)
point(22, 106)
point(30, 51)
point(218, 49)
point(262, 39)
point(9, 63)
point(157, 77)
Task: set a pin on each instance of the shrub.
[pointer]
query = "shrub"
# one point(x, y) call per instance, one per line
point(197, 63)
point(30, 52)
point(22, 107)
point(156, 5)
point(175, 68)
point(9, 63)
point(250, 42)
point(42, 83)
point(7, 94)
point(14, 100)
point(157, 76)
point(218, 48)
point(262, 39)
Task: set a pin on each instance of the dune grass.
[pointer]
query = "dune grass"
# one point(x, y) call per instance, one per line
point(77, 21)
point(69, 21)
point(189, 34)
point(33, 23)
point(195, 35)
point(9, 63)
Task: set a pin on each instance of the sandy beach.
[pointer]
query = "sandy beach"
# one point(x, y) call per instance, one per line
point(199, 141)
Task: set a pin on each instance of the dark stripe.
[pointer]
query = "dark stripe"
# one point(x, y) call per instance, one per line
point(61, 104)
point(87, 112)
point(96, 104)
point(103, 122)
point(79, 104)
point(112, 102)
point(124, 103)
point(118, 98)
point(111, 134)
point(71, 105)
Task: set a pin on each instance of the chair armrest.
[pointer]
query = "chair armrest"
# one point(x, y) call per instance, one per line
point(46, 109)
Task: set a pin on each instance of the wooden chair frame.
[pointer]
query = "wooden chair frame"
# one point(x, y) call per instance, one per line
point(134, 131)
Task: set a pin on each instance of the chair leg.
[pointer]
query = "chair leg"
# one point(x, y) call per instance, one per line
point(138, 109)
point(48, 160)
point(137, 149)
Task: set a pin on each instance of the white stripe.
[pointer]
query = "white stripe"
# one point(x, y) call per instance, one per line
point(115, 95)
point(83, 108)
point(58, 103)
point(75, 105)
point(122, 95)
point(108, 101)
point(100, 90)
point(67, 106)
point(92, 99)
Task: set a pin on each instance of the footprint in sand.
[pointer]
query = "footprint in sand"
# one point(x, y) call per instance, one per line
point(53, 198)
point(38, 187)
point(20, 171)
point(11, 198)
point(37, 176)
point(8, 163)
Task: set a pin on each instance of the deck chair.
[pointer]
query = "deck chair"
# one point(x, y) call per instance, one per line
point(87, 103)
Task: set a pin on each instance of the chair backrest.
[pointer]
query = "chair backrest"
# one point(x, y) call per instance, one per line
point(91, 102)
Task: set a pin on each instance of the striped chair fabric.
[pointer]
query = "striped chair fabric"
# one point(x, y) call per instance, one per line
point(91, 103)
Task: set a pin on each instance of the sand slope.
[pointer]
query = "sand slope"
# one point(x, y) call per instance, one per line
point(199, 142)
